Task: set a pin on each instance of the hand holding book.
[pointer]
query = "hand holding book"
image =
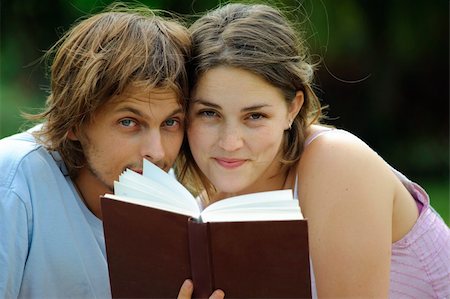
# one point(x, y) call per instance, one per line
point(187, 289)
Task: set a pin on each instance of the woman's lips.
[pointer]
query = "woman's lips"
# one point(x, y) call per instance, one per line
point(230, 163)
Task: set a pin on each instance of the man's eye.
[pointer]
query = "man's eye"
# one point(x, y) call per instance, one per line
point(171, 122)
point(127, 123)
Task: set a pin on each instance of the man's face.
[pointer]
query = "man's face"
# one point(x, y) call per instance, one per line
point(139, 124)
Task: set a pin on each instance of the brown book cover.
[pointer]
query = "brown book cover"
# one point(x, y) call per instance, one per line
point(151, 252)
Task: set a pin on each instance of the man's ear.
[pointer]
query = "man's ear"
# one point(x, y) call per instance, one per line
point(71, 135)
point(296, 105)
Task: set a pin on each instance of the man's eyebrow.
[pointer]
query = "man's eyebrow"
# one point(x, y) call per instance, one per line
point(176, 111)
point(139, 113)
point(246, 109)
point(129, 109)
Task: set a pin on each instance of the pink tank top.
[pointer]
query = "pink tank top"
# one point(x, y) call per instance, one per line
point(420, 261)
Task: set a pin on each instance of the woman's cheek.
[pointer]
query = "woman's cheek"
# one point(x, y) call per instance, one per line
point(195, 134)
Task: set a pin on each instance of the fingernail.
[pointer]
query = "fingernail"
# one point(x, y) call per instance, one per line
point(219, 293)
point(188, 284)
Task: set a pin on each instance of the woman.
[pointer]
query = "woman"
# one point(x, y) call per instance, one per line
point(254, 125)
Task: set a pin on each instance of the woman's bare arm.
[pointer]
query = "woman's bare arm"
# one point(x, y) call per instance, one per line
point(346, 191)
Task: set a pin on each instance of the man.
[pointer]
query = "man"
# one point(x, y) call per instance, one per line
point(118, 83)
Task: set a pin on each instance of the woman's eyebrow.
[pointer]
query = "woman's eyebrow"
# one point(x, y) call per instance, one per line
point(212, 105)
point(205, 103)
point(255, 107)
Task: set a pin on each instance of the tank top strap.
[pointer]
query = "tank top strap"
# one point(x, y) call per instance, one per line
point(296, 187)
point(306, 143)
point(313, 136)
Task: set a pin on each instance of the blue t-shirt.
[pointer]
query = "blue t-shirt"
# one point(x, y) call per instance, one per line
point(51, 245)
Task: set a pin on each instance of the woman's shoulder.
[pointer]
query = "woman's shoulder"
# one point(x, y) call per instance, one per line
point(334, 145)
point(337, 162)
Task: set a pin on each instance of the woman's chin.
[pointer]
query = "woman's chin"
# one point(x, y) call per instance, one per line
point(229, 191)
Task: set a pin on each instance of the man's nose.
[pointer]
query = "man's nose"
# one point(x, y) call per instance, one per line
point(152, 147)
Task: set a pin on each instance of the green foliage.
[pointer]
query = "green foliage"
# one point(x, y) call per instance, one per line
point(14, 101)
point(384, 70)
point(439, 197)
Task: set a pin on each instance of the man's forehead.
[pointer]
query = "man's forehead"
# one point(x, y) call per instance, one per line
point(146, 93)
point(164, 100)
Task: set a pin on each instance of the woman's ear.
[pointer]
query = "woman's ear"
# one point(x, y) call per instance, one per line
point(296, 105)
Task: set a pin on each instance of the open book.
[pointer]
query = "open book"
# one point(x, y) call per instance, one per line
point(159, 190)
point(157, 235)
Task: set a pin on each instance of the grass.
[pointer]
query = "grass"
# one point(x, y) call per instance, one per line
point(439, 197)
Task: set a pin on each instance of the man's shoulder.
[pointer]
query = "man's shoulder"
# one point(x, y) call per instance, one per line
point(17, 146)
point(16, 150)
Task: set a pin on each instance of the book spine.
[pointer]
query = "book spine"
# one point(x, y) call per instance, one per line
point(199, 251)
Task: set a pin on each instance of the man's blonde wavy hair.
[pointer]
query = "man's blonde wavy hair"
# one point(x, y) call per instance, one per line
point(97, 59)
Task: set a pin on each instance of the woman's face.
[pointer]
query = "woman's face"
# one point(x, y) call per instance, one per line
point(236, 126)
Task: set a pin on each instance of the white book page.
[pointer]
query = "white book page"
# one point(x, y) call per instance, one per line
point(252, 215)
point(271, 205)
point(157, 189)
point(154, 198)
point(151, 190)
point(255, 199)
point(161, 177)
point(160, 190)
point(157, 205)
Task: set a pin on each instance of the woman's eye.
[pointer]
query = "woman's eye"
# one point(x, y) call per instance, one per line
point(256, 116)
point(127, 123)
point(208, 113)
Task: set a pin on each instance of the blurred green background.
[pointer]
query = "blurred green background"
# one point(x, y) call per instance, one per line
point(384, 71)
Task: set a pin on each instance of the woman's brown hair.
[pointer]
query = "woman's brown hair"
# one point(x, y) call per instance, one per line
point(257, 38)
